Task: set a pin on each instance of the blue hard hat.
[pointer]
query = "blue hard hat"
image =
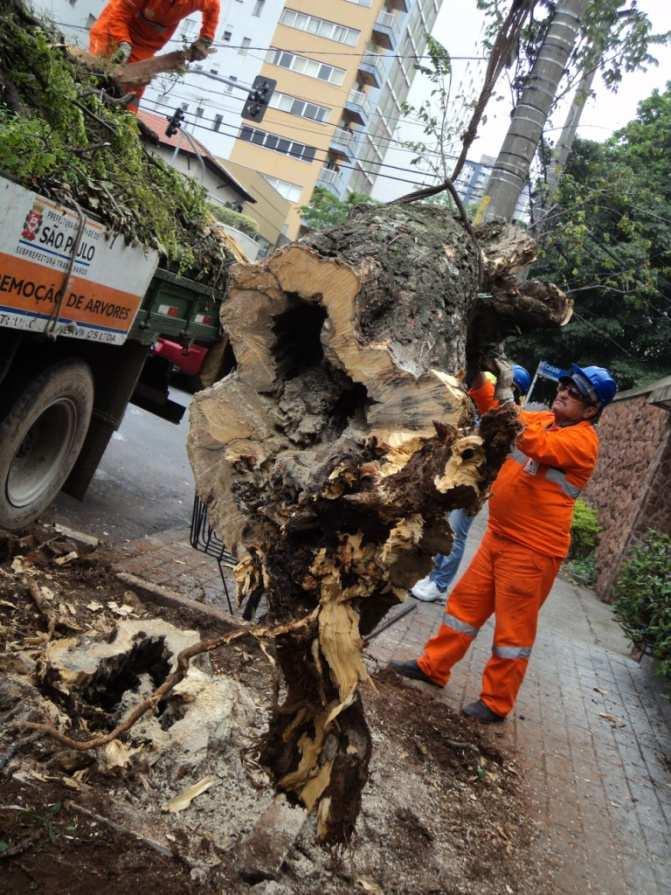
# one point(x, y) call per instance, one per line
point(521, 378)
point(595, 383)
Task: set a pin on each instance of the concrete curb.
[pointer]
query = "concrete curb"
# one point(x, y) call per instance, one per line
point(162, 596)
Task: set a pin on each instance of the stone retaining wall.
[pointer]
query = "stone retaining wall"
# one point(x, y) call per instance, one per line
point(631, 487)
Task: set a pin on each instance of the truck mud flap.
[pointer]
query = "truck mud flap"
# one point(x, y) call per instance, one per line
point(155, 401)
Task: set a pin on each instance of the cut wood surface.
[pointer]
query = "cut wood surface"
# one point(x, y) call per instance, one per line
point(329, 457)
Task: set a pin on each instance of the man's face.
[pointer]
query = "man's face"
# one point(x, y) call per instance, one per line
point(569, 405)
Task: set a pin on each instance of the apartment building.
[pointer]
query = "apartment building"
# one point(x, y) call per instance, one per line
point(472, 182)
point(342, 75)
point(343, 71)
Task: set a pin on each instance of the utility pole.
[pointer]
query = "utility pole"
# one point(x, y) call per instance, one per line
point(511, 170)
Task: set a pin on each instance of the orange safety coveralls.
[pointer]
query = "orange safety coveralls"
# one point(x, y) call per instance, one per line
point(147, 25)
point(529, 533)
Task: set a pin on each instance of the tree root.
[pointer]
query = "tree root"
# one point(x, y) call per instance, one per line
point(259, 632)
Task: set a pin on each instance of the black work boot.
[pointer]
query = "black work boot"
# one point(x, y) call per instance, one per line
point(482, 713)
point(412, 670)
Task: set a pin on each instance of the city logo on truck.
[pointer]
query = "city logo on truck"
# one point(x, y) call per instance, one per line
point(49, 237)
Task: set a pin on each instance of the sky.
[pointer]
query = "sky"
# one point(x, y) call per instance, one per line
point(458, 27)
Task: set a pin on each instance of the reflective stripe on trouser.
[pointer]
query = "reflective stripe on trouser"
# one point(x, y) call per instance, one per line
point(511, 581)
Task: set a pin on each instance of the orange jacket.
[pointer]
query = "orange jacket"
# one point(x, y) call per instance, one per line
point(148, 23)
point(534, 493)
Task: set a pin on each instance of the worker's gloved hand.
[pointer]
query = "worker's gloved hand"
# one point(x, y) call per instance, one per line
point(200, 48)
point(503, 371)
point(122, 54)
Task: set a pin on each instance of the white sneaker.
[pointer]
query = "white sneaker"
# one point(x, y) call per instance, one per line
point(427, 592)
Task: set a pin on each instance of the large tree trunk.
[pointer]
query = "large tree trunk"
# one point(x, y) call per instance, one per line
point(329, 457)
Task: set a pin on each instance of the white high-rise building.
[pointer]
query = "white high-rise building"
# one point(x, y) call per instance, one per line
point(244, 26)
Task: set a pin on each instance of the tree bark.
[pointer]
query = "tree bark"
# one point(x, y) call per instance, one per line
point(330, 456)
point(131, 74)
point(511, 170)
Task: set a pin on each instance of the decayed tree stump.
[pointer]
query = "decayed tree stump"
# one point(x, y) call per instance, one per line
point(329, 457)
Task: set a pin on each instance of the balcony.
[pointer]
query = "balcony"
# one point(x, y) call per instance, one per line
point(331, 180)
point(357, 107)
point(250, 248)
point(343, 142)
point(372, 67)
point(385, 32)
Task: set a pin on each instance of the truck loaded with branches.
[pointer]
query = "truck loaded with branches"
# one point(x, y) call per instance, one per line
point(103, 248)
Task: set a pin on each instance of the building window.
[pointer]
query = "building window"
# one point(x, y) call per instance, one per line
point(229, 87)
point(304, 66)
point(302, 108)
point(217, 122)
point(187, 26)
point(214, 71)
point(184, 107)
point(200, 111)
point(258, 8)
point(227, 35)
point(360, 2)
point(246, 42)
point(320, 27)
point(279, 144)
point(290, 191)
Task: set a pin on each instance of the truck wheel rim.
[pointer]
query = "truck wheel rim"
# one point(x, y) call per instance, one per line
point(38, 461)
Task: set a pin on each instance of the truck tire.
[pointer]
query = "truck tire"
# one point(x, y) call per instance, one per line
point(40, 439)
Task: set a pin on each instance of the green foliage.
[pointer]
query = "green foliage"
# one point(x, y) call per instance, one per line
point(235, 219)
point(581, 564)
point(59, 139)
point(609, 245)
point(584, 530)
point(326, 210)
point(643, 597)
point(583, 571)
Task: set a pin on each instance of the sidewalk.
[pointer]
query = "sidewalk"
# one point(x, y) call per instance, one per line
point(591, 729)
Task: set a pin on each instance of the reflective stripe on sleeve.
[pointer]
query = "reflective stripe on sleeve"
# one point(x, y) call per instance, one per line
point(559, 478)
point(457, 625)
point(511, 652)
point(518, 456)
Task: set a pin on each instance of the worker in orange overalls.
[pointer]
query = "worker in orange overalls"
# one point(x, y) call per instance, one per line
point(529, 533)
point(133, 30)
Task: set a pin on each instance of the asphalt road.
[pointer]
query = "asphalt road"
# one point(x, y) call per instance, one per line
point(143, 485)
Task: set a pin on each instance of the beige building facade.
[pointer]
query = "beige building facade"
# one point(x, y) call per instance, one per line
point(270, 210)
point(343, 70)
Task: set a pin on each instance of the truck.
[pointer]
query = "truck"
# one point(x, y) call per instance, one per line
point(80, 313)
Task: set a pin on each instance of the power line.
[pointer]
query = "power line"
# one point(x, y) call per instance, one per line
point(235, 127)
point(607, 336)
point(360, 168)
point(228, 46)
point(391, 143)
point(222, 164)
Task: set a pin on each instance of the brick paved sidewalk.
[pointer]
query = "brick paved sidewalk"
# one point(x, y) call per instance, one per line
point(591, 729)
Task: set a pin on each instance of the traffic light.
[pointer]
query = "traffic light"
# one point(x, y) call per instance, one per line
point(257, 102)
point(174, 122)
